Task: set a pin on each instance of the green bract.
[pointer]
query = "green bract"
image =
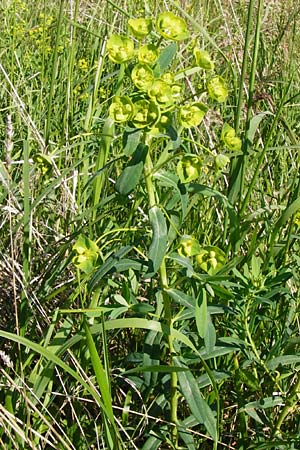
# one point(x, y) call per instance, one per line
point(192, 114)
point(211, 259)
point(145, 114)
point(231, 141)
point(188, 168)
point(203, 59)
point(217, 89)
point(142, 76)
point(161, 93)
point(140, 28)
point(148, 54)
point(172, 27)
point(121, 109)
point(120, 48)
point(188, 246)
point(87, 253)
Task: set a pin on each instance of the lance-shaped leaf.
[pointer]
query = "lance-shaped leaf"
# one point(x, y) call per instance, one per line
point(201, 313)
point(198, 406)
point(130, 176)
point(158, 245)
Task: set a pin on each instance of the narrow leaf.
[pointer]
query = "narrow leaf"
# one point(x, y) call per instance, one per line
point(130, 176)
point(198, 406)
point(201, 313)
point(158, 244)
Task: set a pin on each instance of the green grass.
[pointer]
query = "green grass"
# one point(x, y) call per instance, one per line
point(149, 297)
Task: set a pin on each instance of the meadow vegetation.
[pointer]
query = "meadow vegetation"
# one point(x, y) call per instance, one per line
point(149, 220)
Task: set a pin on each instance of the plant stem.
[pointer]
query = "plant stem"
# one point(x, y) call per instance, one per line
point(148, 167)
point(290, 403)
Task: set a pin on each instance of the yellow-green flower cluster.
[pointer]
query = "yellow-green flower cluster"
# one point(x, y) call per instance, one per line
point(157, 98)
point(209, 258)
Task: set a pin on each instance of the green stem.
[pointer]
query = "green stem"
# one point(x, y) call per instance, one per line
point(54, 72)
point(290, 403)
point(148, 170)
point(250, 97)
point(237, 168)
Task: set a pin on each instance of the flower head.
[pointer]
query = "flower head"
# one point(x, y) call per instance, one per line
point(192, 114)
point(188, 246)
point(189, 168)
point(161, 93)
point(146, 114)
point(211, 259)
point(231, 141)
point(203, 59)
point(120, 48)
point(121, 109)
point(217, 89)
point(142, 76)
point(221, 161)
point(172, 27)
point(140, 28)
point(86, 254)
point(148, 54)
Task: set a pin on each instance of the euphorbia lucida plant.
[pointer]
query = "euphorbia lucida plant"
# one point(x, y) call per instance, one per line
point(156, 106)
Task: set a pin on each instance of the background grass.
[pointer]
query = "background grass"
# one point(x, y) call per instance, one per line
point(86, 360)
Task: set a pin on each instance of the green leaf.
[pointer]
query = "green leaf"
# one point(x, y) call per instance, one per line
point(131, 140)
point(210, 335)
point(108, 265)
point(99, 371)
point(130, 176)
point(286, 215)
point(158, 244)
point(165, 58)
point(181, 298)
point(197, 404)
point(265, 403)
point(201, 313)
point(142, 308)
point(234, 221)
point(171, 180)
point(48, 354)
point(159, 369)
point(254, 124)
point(284, 360)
